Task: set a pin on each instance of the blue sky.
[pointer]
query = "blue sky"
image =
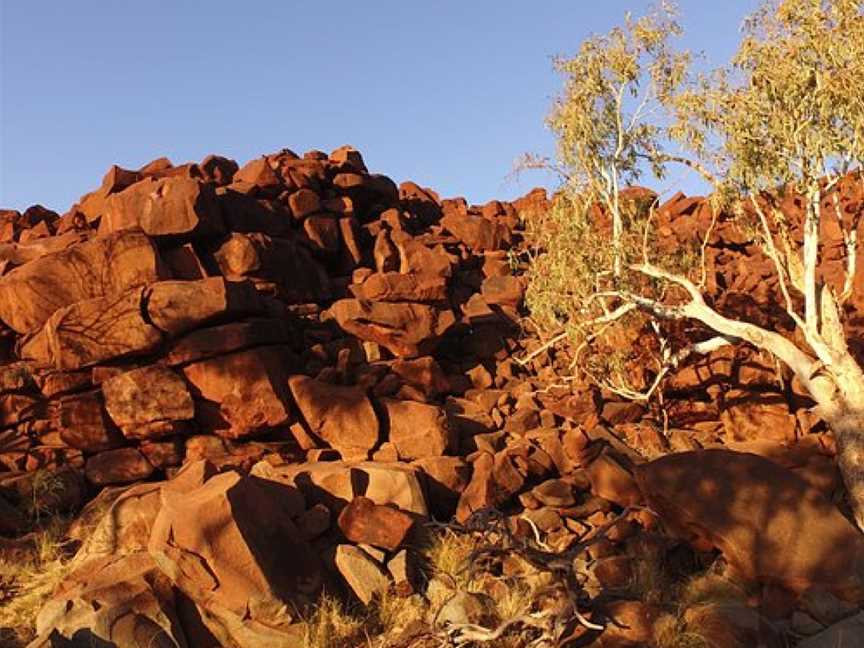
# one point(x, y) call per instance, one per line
point(446, 93)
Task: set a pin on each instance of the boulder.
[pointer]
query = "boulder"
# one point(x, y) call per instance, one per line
point(175, 307)
point(84, 424)
point(241, 393)
point(117, 523)
point(227, 338)
point(171, 206)
point(120, 466)
point(612, 481)
point(424, 373)
point(446, 478)
point(340, 416)
point(115, 601)
point(281, 261)
point(145, 403)
point(337, 483)
point(364, 574)
point(407, 330)
point(478, 233)
point(364, 522)
point(230, 546)
point(771, 525)
point(94, 330)
point(397, 287)
point(416, 429)
point(105, 266)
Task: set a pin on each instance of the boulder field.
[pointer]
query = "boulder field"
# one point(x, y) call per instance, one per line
point(255, 384)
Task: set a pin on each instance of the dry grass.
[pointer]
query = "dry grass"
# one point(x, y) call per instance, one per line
point(26, 585)
point(332, 625)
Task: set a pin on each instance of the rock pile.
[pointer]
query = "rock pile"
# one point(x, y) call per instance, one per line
point(303, 361)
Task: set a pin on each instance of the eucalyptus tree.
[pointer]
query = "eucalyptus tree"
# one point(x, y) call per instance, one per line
point(786, 116)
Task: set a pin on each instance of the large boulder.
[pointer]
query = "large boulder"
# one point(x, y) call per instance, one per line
point(179, 306)
point(227, 338)
point(340, 416)
point(114, 601)
point(146, 403)
point(105, 266)
point(241, 393)
point(228, 543)
point(171, 206)
point(94, 330)
point(408, 330)
point(770, 524)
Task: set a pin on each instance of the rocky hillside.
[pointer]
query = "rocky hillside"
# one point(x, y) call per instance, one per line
point(251, 386)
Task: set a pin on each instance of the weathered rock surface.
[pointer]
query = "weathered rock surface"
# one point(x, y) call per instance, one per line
point(768, 522)
point(342, 417)
point(148, 402)
point(364, 522)
point(100, 267)
point(210, 541)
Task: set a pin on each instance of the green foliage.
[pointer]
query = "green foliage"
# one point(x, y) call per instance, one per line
point(787, 112)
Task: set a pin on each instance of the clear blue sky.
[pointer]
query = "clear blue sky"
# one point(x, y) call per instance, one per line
point(444, 93)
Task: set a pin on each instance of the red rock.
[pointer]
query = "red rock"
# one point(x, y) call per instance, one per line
point(367, 189)
point(353, 253)
point(446, 478)
point(396, 287)
point(405, 329)
point(261, 175)
point(507, 290)
point(323, 233)
point(147, 402)
point(478, 233)
point(300, 278)
point(247, 576)
point(417, 430)
point(481, 491)
point(120, 466)
point(304, 202)
point(750, 416)
point(423, 373)
point(183, 263)
point(240, 394)
point(385, 253)
point(348, 156)
point(171, 206)
point(84, 424)
point(246, 213)
point(364, 522)
point(771, 526)
point(163, 454)
point(217, 169)
point(335, 483)
point(340, 416)
point(219, 340)
point(94, 330)
point(107, 266)
point(416, 257)
point(611, 481)
point(17, 408)
point(178, 306)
